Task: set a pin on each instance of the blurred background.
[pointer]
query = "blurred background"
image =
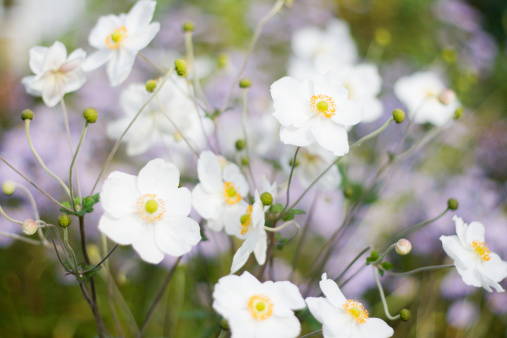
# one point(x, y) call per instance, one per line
point(464, 41)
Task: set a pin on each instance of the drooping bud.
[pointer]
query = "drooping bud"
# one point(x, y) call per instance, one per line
point(382, 37)
point(30, 226)
point(405, 315)
point(151, 85)
point(245, 83)
point(403, 247)
point(266, 198)
point(452, 204)
point(27, 114)
point(64, 220)
point(398, 116)
point(447, 96)
point(240, 145)
point(90, 115)
point(8, 188)
point(458, 112)
point(188, 26)
point(181, 67)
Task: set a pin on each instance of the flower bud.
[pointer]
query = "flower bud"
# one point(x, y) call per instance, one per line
point(403, 247)
point(244, 160)
point(64, 220)
point(452, 204)
point(30, 226)
point(240, 145)
point(458, 112)
point(90, 115)
point(243, 218)
point(405, 315)
point(222, 60)
point(151, 85)
point(8, 188)
point(382, 37)
point(348, 192)
point(181, 67)
point(224, 324)
point(295, 164)
point(188, 26)
point(27, 114)
point(398, 116)
point(447, 96)
point(449, 55)
point(245, 83)
point(266, 198)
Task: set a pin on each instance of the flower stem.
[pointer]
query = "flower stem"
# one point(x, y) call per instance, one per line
point(279, 228)
point(311, 334)
point(9, 218)
point(195, 79)
point(289, 181)
point(382, 296)
point(425, 268)
point(35, 210)
point(243, 125)
point(381, 257)
point(74, 162)
point(352, 263)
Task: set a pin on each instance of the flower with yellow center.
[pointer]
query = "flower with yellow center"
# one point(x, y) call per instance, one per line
point(475, 262)
point(343, 317)
point(258, 310)
point(149, 211)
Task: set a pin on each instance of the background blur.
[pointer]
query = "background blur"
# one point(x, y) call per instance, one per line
point(465, 40)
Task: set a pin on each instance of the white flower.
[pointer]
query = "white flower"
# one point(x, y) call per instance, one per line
point(219, 196)
point(420, 93)
point(55, 73)
point(315, 112)
point(149, 211)
point(258, 310)
point(119, 38)
point(344, 318)
point(476, 264)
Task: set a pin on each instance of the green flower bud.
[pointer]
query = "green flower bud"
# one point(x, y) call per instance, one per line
point(398, 116)
point(151, 85)
point(449, 55)
point(458, 112)
point(245, 83)
point(188, 26)
point(452, 204)
point(348, 192)
point(244, 160)
point(296, 164)
point(27, 114)
point(266, 198)
point(224, 324)
point(244, 218)
point(8, 188)
point(382, 37)
point(90, 115)
point(222, 60)
point(240, 145)
point(64, 220)
point(181, 67)
point(405, 315)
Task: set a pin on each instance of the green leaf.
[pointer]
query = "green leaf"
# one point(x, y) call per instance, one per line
point(276, 208)
point(381, 272)
point(387, 265)
point(374, 255)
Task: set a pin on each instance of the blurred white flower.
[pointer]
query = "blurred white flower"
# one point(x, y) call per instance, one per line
point(420, 92)
point(149, 211)
point(55, 73)
point(219, 196)
point(343, 317)
point(476, 264)
point(315, 112)
point(119, 39)
point(258, 310)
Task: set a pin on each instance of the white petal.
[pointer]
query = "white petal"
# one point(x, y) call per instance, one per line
point(461, 229)
point(97, 59)
point(142, 38)
point(301, 137)
point(210, 172)
point(333, 293)
point(280, 327)
point(243, 325)
point(55, 56)
point(146, 246)
point(232, 214)
point(119, 194)
point(291, 101)
point(495, 268)
point(124, 230)
point(74, 80)
point(34, 84)
point(158, 177)
point(233, 174)
point(348, 113)
point(141, 136)
point(463, 257)
point(176, 235)
point(208, 205)
point(178, 202)
point(37, 55)
point(375, 327)
point(475, 232)
point(331, 136)
point(241, 256)
point(140, 15)
point(52, 91)
point(261, 248)
point(314, 305)
point(105, 26)
point(120, 65)
point(289, 295)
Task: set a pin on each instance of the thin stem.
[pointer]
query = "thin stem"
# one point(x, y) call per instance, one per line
point(279, 228)
point(110, 290)
point(382, 296)
point(243, 125)
point(9, 218)
point(352, 263)
point(199, 115)
point(384, 254)
point(35, 210)
point(102, 260)
point(425, 268)
point(118, 142)
point(223, 334)
point(41, 162)
point(276, 7)
point(21, 238)
point(158, 297)
point(372, 135)
point(54, 245)
point(69, 248)
point(74, 162)
point(157, 68)
point(311, 334)
point(195, 79)
point(429, 136)
point(290, 179)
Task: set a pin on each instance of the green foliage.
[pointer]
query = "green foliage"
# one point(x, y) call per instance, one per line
point(88, 203)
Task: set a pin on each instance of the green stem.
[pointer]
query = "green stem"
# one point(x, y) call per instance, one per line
point(9, 218)
point(69, 248)
point(195, 79)
point(74, 162)
point(294, 159)
point(243, 125)
point(379, 260)
point(352, 263)
point(199, 115)
point(382, 296)
point(311, 334)
point(425, 268)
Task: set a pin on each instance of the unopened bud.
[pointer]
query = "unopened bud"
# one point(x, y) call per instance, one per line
point(405, 315)
point(348, 192)
point(181, 67)
point(382, 37)
point(27, 114)
point(90, 115)
point(266, 198)
point(403, 247)
point(244, 160)
point(449, 55)
point(64, 220)
point(244, 218)
point(8, 188)
point(452, 204)
point(188, 26)
point(398, 116)
point(295, 164)
point(245, 83)
point(224, 324)
point(151, 85)
point(222, 60)
point(447, 96)
point(30, 226)
point(458, 112)
point(240, 145)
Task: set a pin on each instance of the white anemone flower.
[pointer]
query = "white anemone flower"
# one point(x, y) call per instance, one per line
point(219, 196)
point(149, 211)
point(315, 112)
point(344, 318)
point(420, 92)
point(476, 264)
point(258, 310)
point(119, 39)
point(55, 73)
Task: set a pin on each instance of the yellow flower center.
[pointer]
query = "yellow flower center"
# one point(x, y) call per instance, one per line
point(114, 39)
point(356, 310)
point(150, 208)
point(260, 306)
point(323, 105)
point(482, 250)
point(231, 195)
point(246, 221)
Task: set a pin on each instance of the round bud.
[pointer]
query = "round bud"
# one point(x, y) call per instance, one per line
point(244, 160)
point(27, 114)
point(240, 145)
point(458, 112)
point(151, 85)
point(64, 220)
point(447, 96)
point(245, 83)
point(266, 198)
point(452, 204)
point(291, 161)
point(181, 67)
point(382, 37)
point(449, 55)
point(188, 26)
point(222, 61)
point(243, 218)
point(348, 192)
point(90, 115)
point(8, 188)
point(398, 116)
point(405, 315)
point(224, 324)
point(403, 247)
point(30, 227)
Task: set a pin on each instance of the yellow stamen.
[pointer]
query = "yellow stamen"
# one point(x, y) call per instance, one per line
point(260, 306)
point(246, 224)
point(356, 310)
point(150, 208)
point(114, 39)
point(482, 250)
point(323, 105)
point(231, 195)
